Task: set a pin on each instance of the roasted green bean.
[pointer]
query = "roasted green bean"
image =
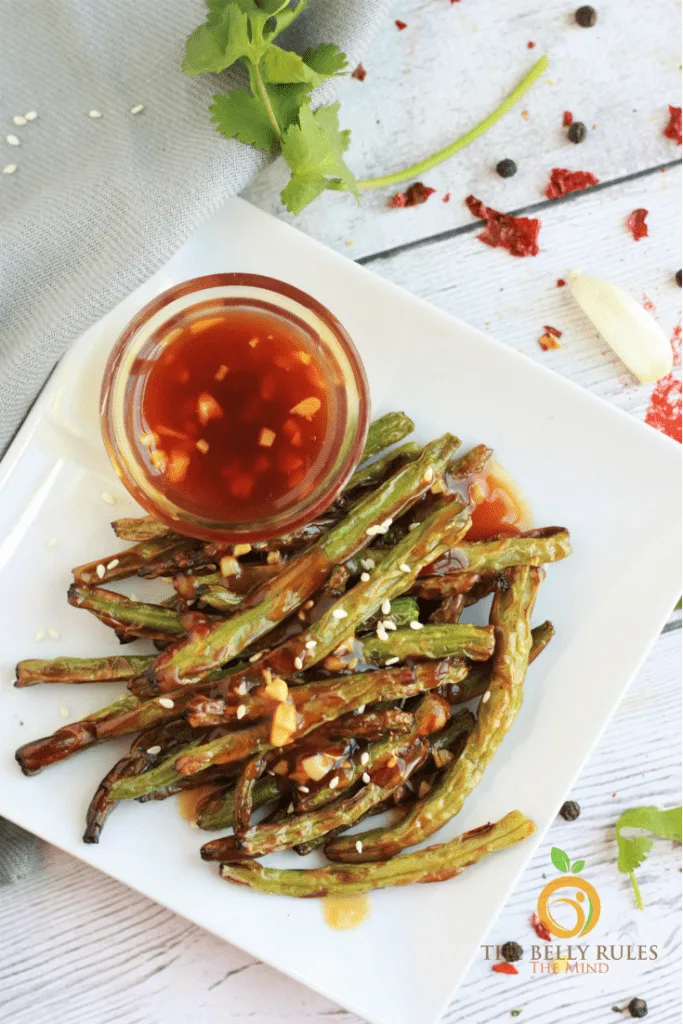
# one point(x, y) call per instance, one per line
point(510, 615)
point(435, 864)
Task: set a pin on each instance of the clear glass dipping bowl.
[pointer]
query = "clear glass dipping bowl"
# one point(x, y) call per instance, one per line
point(141, 343)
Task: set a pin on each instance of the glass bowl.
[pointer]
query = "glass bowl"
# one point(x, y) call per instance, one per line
point(144, 342)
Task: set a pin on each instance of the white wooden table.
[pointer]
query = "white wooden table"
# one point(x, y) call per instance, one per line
point(100, 953)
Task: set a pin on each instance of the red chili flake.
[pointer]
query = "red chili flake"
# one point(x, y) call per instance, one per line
point(666, 402)
point(359, 73)
point(413, 196)
point(567, 119)
point(560, 283)
point(540, 928)
point(504, 968)
point(635, 222)
point(562, 182)
point(519, 235)
point(446, 198)
point(400, 25)
point(548, 340)
point(530, 45)
point(418, 194)
point(673, 128)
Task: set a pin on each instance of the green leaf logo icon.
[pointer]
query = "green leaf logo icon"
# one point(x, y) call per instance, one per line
point(577, 866)
point(560, 859)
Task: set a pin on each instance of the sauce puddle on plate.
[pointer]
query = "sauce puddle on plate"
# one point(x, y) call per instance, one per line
point(188, 801)
point(345, 912)
point(503, 510)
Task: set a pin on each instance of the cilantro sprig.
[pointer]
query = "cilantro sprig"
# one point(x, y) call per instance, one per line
point(633, 850)
point(276, 112)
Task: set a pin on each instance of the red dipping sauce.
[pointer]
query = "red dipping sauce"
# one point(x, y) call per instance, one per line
point(234, 407)
point(236, 411)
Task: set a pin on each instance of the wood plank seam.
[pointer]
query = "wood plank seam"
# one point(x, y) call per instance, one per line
point(522, 211)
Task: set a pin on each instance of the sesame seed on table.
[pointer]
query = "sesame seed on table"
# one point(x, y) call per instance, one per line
point(424, 85)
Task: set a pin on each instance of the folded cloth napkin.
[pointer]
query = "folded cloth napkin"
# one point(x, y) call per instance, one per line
point(101, 197)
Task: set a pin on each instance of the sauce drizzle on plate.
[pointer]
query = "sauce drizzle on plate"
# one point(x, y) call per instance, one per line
point(345, 912)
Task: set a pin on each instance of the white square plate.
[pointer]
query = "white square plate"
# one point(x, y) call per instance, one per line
point(612, 481)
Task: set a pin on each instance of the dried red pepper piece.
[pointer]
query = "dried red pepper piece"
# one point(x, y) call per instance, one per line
point(666, 404)
point(400, 25)
point(635, 222)
point(415, 195)
point(540, 928)
point(560, 283)
point(530, 45)
point(673, 128)
point(548, 339)
point(519, 235)
point(418, 194)
point(446, 198)
point(666, 401)
point(359, 73)
point(567, 118)
point(562, 182)
point(504, 968)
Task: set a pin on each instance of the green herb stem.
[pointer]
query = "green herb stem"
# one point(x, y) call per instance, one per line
point(265, 99)
point(636, 889)
point(415, 170)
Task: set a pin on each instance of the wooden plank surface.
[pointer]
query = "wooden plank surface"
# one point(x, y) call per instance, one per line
point(514, 298)
point(77, 946)
point(453, 65)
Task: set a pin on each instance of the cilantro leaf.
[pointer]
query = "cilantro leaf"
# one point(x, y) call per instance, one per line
point(205, 50)
point(229, 36)
point(328, 119)
point(634, 850)
point(239, 115)
point(287, 100)
point(313, 149)
point(277, 105)
point(284, 66)
point(271, 16)
point(281, 16)
point(326, 60)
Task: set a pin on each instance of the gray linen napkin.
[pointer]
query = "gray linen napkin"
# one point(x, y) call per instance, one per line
point(97, 203)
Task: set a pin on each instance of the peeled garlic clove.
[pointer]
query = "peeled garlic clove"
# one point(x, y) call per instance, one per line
point(631, 331)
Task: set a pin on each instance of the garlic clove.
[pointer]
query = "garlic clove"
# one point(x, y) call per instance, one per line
point(628, 329)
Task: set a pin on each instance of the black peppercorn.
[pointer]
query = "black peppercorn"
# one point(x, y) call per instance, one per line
point(511, 951)
point(637, 1008)
point(679, 278)
point(570, 810)
point(577, 132)
point(586, 16)
point(506, 168)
